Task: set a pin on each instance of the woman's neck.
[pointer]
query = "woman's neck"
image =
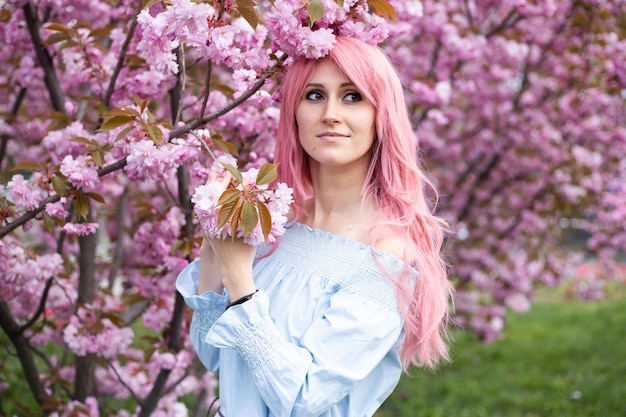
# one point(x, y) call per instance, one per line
point(337, 205)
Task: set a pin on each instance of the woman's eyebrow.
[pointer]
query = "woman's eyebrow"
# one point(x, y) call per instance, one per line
point(319, 85)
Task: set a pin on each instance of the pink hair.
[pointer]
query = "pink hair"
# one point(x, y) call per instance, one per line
point(394, 182)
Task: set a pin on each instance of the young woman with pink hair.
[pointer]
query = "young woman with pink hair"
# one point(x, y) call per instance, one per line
point(355, 291)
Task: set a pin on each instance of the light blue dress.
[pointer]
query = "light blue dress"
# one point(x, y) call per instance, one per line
point(321, 337)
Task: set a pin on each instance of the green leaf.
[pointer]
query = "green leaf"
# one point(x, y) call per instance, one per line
point(118, 112)
point(134, 61)
point(56, 38)
point(144, 209)
point(82, 205)
point(48, 224)
point(58, 27)
point(225, 213)
point(115, 319)
point(315, 8)
point(228, 196)
point(223, 88)
point(84, 141)
point(115, 122)
point(266, 219)
point(225, 146)
point(383, 9)
point(5, 15)
point(249, 218)
point(267, 173)
point(176, 245)
point(105, 31)
point(235, 220)
point(59, 185)
point(26, 166)
point(246, 10)
point(98, 158)
point(96, 196)
point(146, 4)
point(141, 103)
point(124, 132)
point(67, 44)
point(234, 172)
point(188, 247)
point(156, 134)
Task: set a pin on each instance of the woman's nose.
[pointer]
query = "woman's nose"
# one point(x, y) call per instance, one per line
point(331, 112)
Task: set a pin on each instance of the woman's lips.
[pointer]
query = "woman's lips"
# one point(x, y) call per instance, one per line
point(331, 136)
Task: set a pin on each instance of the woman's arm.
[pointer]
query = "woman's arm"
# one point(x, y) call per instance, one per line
point(339, 350)
point(227, 263)
point(223, 264)
point(207, 307)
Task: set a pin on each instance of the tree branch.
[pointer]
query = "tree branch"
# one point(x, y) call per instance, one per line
point(482, 176)
point(121, 381)
point(201, 121)
point(207, 88)
point(119, 243)
point(40, 308)
point(45, 61)
point(509, 21)
point(29, 215)
point(176, 93)
point(120, 61)
point(175, 328)
point(84, 379)
point(19, 98)
point(31, 374)
point(151, 401)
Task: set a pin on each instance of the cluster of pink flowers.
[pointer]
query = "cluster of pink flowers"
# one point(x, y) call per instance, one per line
point(88, 408)
point(22, 275)
point(206, 200)
point(294, 33)
point(81, 172)
point(88, 333)
point(80, 229)
point(27, 193)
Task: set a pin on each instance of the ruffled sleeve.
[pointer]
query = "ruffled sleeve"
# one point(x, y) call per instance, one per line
point(207, 307)
point(308, 376)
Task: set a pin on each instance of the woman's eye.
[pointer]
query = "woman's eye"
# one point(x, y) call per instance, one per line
point(353, 97)
point(314, 96)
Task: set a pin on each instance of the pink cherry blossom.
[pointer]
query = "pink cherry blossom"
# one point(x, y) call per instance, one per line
point(80, 229)
point(81, 172)
point(26, 194)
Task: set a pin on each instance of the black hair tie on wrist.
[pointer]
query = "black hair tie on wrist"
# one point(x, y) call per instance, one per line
point(241, 300)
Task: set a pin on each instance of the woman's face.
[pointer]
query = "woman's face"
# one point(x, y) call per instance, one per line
point(336, 123)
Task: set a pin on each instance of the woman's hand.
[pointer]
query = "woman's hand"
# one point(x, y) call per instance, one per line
point(232, 260)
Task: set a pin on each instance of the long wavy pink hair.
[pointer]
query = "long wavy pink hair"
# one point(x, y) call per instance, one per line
point(394, 182)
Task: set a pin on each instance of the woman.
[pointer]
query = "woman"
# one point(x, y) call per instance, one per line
point(355, 291)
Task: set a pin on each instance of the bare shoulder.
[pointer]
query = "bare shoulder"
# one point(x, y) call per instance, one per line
point(391, 243)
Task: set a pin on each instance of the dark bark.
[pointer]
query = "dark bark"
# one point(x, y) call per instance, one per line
point(174, 332)
point(84, 379)
point(122, 56)
point(4, 140)
point(45, 60)
point(25, 356)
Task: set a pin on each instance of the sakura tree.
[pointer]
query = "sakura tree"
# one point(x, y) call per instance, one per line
point(112, 110)
point(520, 113)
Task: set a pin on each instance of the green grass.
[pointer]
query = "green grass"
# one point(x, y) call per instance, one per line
point(561, 359)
